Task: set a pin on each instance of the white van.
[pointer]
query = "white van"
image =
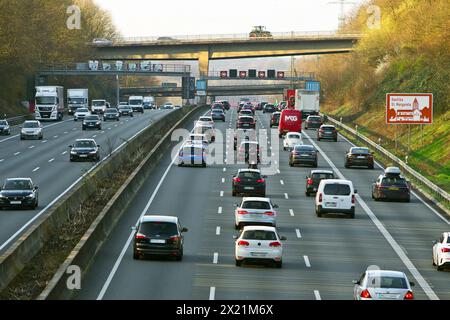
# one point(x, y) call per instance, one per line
point(335, 196)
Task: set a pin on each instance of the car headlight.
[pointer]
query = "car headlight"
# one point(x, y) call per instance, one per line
point(73, 152)
point(93, 152)
point(22, 131)
point(2, 196)
point(30, 196)
point(98, 122)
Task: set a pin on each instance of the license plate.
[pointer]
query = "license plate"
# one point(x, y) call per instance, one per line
point(16, 202)
point(394, 188)
point(157, 241)
point(304, 155)
point(249, 188)
point(387, 296)
point(331, 204)
point(360, 157)
point(83, 155)
point(258, 254)
point(314, 189)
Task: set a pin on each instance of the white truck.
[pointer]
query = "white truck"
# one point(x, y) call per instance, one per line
point(307, 102)
point(136, 103)
point(49, 101)
point(77, 98)
point(150, 102)
point(99, 106)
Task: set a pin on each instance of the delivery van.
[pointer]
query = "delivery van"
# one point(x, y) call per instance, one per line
point(290, 121)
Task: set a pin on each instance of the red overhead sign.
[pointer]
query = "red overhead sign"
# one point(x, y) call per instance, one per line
point(280, 74)
point(223, 74)
point(409, 108)
point(261, 74)
point(242, 74)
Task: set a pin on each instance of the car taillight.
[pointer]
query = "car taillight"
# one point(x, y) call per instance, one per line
point(321, 130)
point(275, 244)
point(269, 213)
point(181, 153)
point(320, 197)
point(242, 212)
point(353, 198)
point(175, 239)
point(409, 295)
point(140, 236)
point(365, 294)
point(310, 181)
point(237, 179)
point(243, 243)
point(260, 180)
point(445, 249)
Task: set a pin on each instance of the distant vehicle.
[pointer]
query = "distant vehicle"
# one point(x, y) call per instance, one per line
point(226, 104)
point(290, 121)
point(99, 106)
point(167, 106)
point(249, 107)
point(149, 102)
point(335, 196)
point(246, 122)
point(249, 182)
point(207, 130)
point(123, 103)
point(391, 186)
point(275, 119)
point(269, 108)
point(313, 122)
point(165, 39)
point(49, 103)
point(81, 113)
point(91, 122)
point(282, 106)
point(111, 114)
point(327, 131)
point(292, 139)
point(441, 252)
point(314, 178)
point(193, 155)
point(217, 105)
point(255, 211)
point(359, 156)
point(218, 115)
point(205, 120)
point(244, 135)
point(158, 235)
point(84, 149)
point(260, 105)
point(136, 103)
point(19, 193)
point(259, 244)
point(307, 102)
point(246, 112)
point(31, 129)
point(249, 152)
point(125, 110)
point(177, 107)
point(77, 98)
point(102, 41)
point(383, 285)
point(303, 154)
point(260, 32)
point(4, 127)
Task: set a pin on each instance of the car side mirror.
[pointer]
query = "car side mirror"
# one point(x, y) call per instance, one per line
point(356, 191)
point(70, 146)
point(283, 238)
point(236, 205)
point(355, 281)
point(412, 284)
point(36, 187)
point(275, 206)
point(235, 237)
point(184, 230)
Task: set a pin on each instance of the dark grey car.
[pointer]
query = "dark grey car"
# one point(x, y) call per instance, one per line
point(303, 154)
point(19, 193)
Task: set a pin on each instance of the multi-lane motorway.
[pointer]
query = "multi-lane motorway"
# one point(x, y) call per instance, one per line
point(321, 255)
point(47, 162)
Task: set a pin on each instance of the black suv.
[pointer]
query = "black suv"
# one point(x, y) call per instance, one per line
point(158, 235)
point(92, 122)
point(391, 186)
point(4, 127)
point(18, 193)
point(111, 114)
point(269, 108)
point(249, 182)
point(84, 149)
point(314, 178)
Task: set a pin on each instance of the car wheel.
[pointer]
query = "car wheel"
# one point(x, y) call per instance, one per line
point(371, 167)
point(307, 193)
point(21, 138)
point(179, 256)
point(75, 119)
point(440, 268)
point(83, 128)
point(432, 260)
point(238, 263)
point(352, 214)
point(237, 226)
point(280, 135)
point(233, 193)
point(346, 165)
point(318, 212)
point(408, 199)
point(41, 137)
point(315, 164)
point(335, 140)
point(278, 264)
point(136, 255)
point(318, 139)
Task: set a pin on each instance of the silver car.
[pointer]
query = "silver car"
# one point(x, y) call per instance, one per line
point(383, 285)
point(31, 129)
point(80, 113)
point(255, 211)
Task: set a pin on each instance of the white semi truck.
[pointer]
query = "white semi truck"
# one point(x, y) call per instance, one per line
point(77, 98)
point(307, 102)
point(49, 103)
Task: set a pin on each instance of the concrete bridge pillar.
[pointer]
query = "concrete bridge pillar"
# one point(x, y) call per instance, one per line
point(203, 66)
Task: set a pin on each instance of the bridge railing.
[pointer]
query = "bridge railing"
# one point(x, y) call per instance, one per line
point(124, 66)
point(288, 76)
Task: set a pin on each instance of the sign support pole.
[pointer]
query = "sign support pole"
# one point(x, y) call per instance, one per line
point(409, 138)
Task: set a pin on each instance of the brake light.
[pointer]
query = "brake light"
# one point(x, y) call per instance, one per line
point(242, 212)
point(353, 198)
point(310, 181)
point(243, 243)
point(237, 179)
point(320, 130)
point(260, 181)
point(320, 197)
point(140, 236)
point(445, 249)
point(409, 295)
point(275, 244)
point(175, 239)
point(269, 213)
point(365, 294)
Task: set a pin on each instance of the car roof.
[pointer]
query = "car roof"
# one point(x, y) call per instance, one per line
point(159, 218)
point(16, 179)
point(392, 170)
point(322, 171)
point(31, 121)
point(336, 181)
point(388, 273)
point(292, 133)
point(84, 140)
point(245, 117)
point(265, 228)
point(256, 199)
point(249, 170)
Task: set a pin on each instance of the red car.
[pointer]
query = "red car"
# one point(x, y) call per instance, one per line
point(246, 122)
point(290, 121)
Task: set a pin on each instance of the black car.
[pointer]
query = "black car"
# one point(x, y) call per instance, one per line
point(18, 193)
point(314, 178)
point(158, 235)
point(275, 119)
point(303, 154)
point(249, 182)
point(269, 108)
point(359, 156)
point(243, 135)
point(4, 127)
point(313, 122)
point(84, 149)
point(249, 152)
point(225, 104)
point(391, 186)
point(246, 122)
point(217, 114)
point(125, 110)
point(111, 114)
point(92, 122)
point(327, 131)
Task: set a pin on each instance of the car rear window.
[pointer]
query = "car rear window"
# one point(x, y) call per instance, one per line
point(255, 205)
point(328, 128)
point(360, 151)
point(250, 175)
point(393, 181)
point(84, 144)
point(245, 119)
point(3, 122)
point(294, 136)
point(387, 282)
point(304, 148)
point(152, 229)
point(320, 176)
point(91, 118)
point(259, 235)
point(336, 189)
point(193, 150)
point(314, 118)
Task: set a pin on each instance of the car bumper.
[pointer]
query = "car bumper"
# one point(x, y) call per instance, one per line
point(307, 160)
point(327, 136)
point(30, 136)
point(250, 219)
point(5, 203)
point(250, 255)
point(357, 162)
point(336, 210)
point(87, 126)
point(313, 125)
point(169, 250)
point(111, 118)
point(394, 195)
point(83, 156)
point(242, 189)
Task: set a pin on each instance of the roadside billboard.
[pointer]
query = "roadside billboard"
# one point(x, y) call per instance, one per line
point(409, 108)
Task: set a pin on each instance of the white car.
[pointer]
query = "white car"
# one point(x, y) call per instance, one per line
point(383, 285)
point(335, 196)
point(205, 120)
point(80, 113)
point(259, 244)
point(207, 130)
point(441, 252)
point(292, 139)
point(31, 129)
point(255, 211)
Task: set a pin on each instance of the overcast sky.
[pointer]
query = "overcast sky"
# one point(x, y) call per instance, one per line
point(182, 17)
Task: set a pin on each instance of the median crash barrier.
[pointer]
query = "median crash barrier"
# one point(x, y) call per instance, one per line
point(87, 248)
point(14, 259)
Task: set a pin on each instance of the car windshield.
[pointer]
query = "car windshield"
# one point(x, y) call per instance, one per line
point(259, 235)
point(84, 144)
point(111, 111)
point(314, 119)
point(153, 229)
point(98, 103)
point(270, 106)
point(125, 107)
point(360, 151)
point(320, 176)
point(387, 282)
point(17, 185)
point(294, 136)
point(217, 111)
point(45, 100)
point(255, 205)
point(393, 181)
point(249, 175)
point(246, 119)
point(82, 110)
point(337, 189)
point(31, 125)
point(327, 128)
point(304, 148)
point(3, 123)
point(205, 119)
point(91, 118)
point(135, 102)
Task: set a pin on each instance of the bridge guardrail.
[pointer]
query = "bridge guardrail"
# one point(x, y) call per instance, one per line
point(15, 121)
point(109, 66)
point(438, 195)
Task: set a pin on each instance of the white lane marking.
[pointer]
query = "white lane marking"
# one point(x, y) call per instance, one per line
point(221, 193)
point(45, 141)
point(307, 263)
point(1, 160)
point(17, 153)
point(66, 132)
point(103, 131)
point(286, 196)
point(30, 147)
point(297, 231)
point(218, 230)
point(212, 293)
point(115, 125)
point(51, 160)
point(64, 152)
point(282, 182)
point(215, 257)
point(36, 169)
point(317, 295)
point(395, 246)
point(94, 136)
point(50, 125)
point(219, 210)
point(109, 128)
point(223, 180)
point(291, 212)
point(55, 137)
point(278, 171)
point(224, 169)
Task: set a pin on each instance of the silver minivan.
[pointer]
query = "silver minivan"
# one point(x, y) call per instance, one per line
point(335, 196)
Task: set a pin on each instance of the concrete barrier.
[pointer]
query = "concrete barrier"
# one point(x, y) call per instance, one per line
point(14, 259)
point(85, 251)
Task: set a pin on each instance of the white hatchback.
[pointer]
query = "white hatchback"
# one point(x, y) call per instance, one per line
point(292, 139)
point(255, 211)
point(441, 252)
point(259, 244)
point(80, 113)
point(335, 196)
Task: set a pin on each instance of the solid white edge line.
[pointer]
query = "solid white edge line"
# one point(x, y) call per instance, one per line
point(212, 293)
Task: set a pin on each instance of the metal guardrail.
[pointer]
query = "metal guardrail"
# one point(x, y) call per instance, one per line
point(438, 194)
point(14, 121)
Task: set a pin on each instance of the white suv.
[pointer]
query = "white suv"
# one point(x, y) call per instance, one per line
point(335, 196)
